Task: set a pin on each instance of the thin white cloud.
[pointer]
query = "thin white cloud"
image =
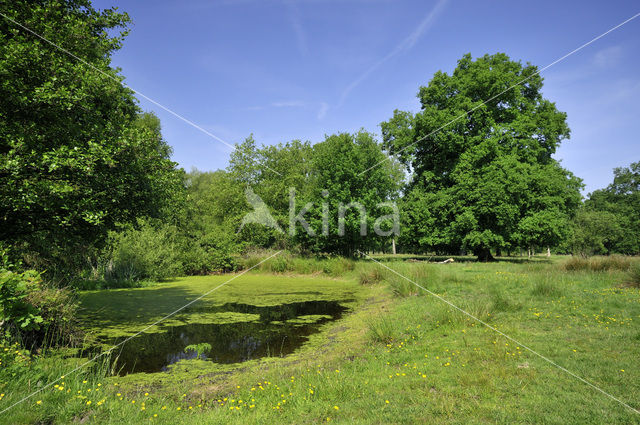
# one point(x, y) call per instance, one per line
point(296, 25)
point(427, 22)
point(608, 57)
point(278, 104)
point(322, 112)
point(289, 104)
point(601, 61)
point(406, 45)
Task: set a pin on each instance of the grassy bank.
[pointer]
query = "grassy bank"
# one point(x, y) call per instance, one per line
point(400, 357)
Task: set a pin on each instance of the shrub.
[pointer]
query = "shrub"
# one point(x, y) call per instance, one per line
point(422, 272)
point(252, 258)
point(211, 252)
point(249, 260)
point(18, 314)
point(58, 308)
point(34, 314)
point(149, 252)
point(481, 308)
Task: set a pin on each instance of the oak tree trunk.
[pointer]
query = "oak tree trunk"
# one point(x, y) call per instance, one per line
point(483, 254)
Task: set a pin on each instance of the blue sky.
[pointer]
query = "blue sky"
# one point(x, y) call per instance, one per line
point(286, 69)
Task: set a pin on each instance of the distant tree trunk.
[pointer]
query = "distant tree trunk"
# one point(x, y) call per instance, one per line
point(548, 252)
point(393, 246)
point(498, 252)
point(529, 252)
point(483, 254)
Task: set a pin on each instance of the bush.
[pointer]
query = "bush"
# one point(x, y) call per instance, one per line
point(150, 252)
point(33, 313)
point(501, 303)
point(58, 308)
point(211, 252)
point(18, 314)
point(252, 258)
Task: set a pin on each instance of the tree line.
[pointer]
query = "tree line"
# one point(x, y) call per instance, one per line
point(88, 189)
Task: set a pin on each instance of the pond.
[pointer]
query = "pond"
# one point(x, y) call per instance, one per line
point(265, 331)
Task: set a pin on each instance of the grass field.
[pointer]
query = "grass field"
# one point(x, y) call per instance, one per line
point(401, 356)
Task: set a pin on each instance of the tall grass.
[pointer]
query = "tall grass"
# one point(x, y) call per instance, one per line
point(288, 263)
point(416, 277)
point(599, 264)
point(500, 303)
point(546, 288)
point(367, 273)
point(382, 329)
point(633, 277)
point(24, 373)
point(404, 288)
point(480, 308)
point(337, 266)
point(371, 276)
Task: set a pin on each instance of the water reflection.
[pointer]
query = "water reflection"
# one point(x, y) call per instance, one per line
point(279, 331)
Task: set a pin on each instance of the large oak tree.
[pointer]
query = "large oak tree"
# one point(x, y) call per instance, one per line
point(480, 156)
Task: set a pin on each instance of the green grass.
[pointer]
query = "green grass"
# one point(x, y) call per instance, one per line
point(403, 356)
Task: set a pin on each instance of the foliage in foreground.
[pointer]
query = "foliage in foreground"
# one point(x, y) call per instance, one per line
point(34, 314)
point(77, 157)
